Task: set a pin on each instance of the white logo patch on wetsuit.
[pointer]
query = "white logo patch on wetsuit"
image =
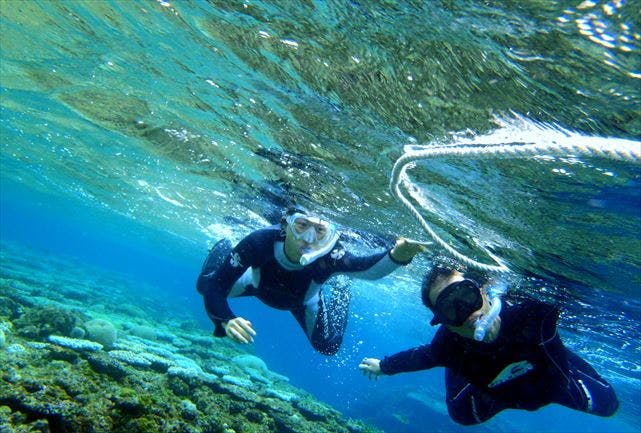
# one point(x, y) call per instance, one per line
point(234, 260)
point(510, 372)
point(337, 253)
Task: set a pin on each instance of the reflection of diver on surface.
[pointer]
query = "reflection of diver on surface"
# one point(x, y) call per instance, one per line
point(518, 361)
point(295, 266)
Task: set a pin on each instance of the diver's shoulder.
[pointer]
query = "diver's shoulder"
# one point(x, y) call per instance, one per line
point(536, 304)
point(529, 307)
point(266, 234)
point(266, 231)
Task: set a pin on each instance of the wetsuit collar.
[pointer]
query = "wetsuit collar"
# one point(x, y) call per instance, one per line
point(281, 257)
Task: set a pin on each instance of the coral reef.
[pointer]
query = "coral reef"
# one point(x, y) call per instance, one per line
point(143, 331)
point(40, 322)
point(101, 331)
point(250, 362)
point(155, 377)
point(77, 332)
point(75, 343)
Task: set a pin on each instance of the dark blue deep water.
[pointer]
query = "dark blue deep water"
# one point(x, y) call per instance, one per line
point(136, 134)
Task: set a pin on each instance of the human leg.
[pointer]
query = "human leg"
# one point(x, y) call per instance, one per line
point(467, 404)
point(323, 317)
point(586, 390)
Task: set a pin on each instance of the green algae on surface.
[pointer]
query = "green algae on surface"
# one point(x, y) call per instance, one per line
point(189, 381)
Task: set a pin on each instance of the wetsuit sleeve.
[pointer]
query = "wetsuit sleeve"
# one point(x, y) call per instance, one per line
point(370, 267)
point(419, 358)
point(220, 282)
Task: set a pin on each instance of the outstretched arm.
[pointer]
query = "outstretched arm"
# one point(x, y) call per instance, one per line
point(223, 268)
point(378, 265)
point(216, 287)
point(405, 249)
point(371, 367)
point(418, 358)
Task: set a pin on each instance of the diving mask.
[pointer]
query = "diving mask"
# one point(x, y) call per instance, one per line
point(459, 300)
point(320, 235)
point(456, 302)
point(311, 229)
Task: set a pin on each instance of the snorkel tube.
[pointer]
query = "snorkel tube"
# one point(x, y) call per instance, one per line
point(495, 291)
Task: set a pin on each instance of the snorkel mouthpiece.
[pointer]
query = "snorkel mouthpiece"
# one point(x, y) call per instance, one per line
point(481, 326)
point(309, 257)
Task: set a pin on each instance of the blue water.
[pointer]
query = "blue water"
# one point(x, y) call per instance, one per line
point(403, 403)
point(133, 135)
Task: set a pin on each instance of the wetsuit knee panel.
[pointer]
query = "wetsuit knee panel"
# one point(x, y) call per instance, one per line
point(460, 414)
point(328, 347)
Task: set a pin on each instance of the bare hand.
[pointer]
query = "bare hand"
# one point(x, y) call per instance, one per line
point(240, 330)
point(370, 367)
point(405, 249)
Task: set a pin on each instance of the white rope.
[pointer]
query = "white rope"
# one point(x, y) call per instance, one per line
point(562, 142)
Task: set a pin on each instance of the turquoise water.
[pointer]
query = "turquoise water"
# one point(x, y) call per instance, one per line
point(134, 134)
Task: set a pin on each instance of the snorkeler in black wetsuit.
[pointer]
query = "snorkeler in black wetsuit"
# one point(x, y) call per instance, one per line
point(520, 362)
point(292, 267)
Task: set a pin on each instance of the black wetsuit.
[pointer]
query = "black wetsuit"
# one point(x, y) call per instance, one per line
point(525, 367)
point(257, 266)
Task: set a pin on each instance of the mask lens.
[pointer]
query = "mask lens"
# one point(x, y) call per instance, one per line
point(318, 229)
point(301, 225)
point(321, 231)
point(455, 304)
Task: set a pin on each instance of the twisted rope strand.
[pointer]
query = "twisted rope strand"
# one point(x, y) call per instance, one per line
point(616, 149)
